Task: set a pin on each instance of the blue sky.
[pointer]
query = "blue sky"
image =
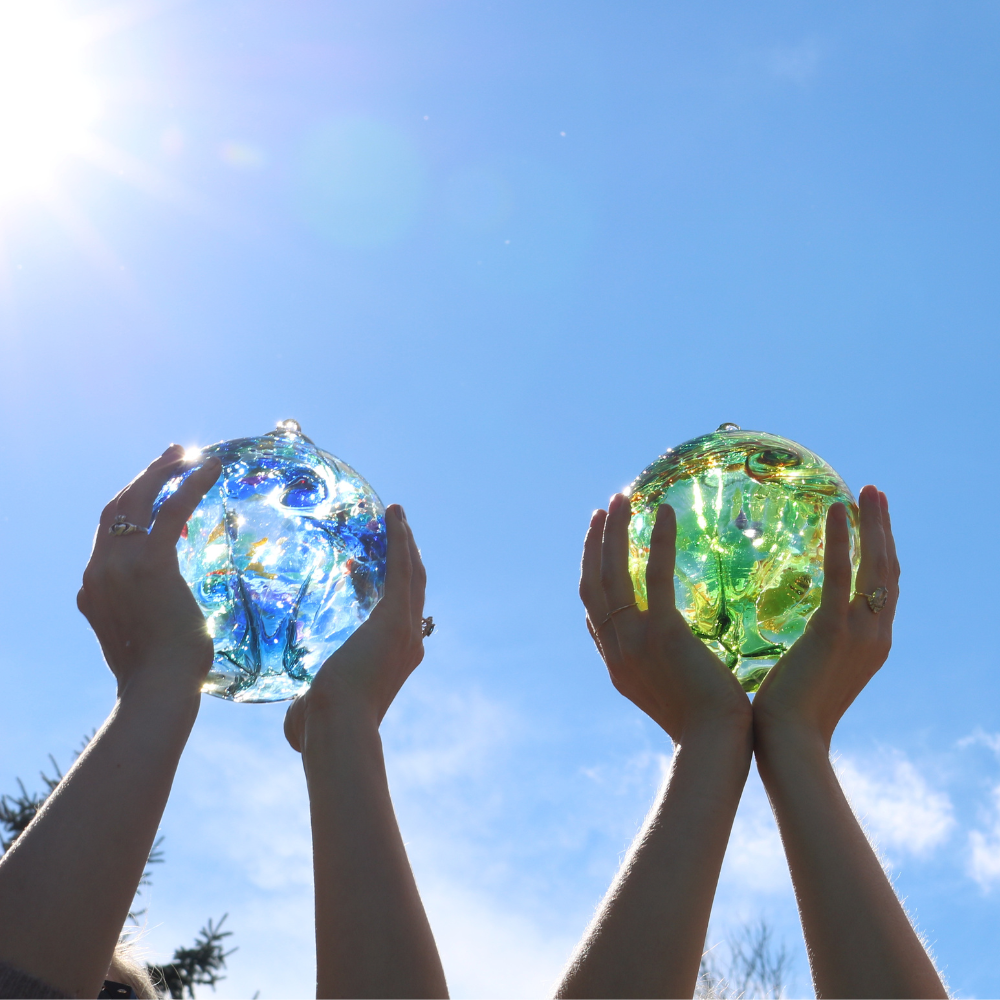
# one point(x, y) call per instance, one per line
point(498, 256)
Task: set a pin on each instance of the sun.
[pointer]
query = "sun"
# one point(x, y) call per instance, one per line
point(48, 104)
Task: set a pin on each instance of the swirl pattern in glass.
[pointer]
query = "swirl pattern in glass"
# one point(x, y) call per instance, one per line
point(751, 516)
point(286, 558)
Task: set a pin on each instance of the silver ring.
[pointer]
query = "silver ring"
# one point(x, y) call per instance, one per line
point(123, 527)
point(876, 599)
point(427, 626)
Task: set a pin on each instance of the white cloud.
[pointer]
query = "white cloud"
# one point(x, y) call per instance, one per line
point(256, 809)
point(489, 950)
point(509, 870)
point(984, 849)
point(636, 772)
point(433, 736)
point(755, 859)
point(984, 845)
point(240, 814)
point(896, 804)
point(981, 737)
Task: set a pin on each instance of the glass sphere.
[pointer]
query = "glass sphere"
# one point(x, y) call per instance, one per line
point(285, 556)
point(751, 516)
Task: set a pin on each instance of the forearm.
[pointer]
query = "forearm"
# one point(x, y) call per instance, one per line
point(860, 941)
point(661, 901)
point(372, 934)
point(68, 882)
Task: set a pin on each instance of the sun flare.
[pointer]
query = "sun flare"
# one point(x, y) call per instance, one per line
point(47, 102)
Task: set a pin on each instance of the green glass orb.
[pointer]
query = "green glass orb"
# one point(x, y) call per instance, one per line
point(751, 518)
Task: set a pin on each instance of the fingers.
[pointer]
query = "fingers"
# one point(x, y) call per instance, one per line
point(591, 592)
point(890, 543)
point(593, 635)
point(293, 723)
point(176, 510)
point(660, 565)
point(398, 568)
point(418, 581)
point(837, 561)
point(874, 569)
point(891, 557)
point(615, 579)
point(83, 603)
point(135, 501)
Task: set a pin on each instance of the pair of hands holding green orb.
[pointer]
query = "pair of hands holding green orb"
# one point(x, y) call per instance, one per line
point(155, 638)
point(656, 661)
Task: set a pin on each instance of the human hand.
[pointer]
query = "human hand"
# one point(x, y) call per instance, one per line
point(149, 625)
point(653, 657)
point(365, 674)
point(814, 683)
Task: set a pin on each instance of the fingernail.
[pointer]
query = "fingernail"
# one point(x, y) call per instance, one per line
point(212, 461)
point(595, 516)
point(402, 512)
point(396, 510)
point(178, 448)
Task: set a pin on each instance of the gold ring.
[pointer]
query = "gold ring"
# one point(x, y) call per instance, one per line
point(123, 527)
point(611, 614)
point(876, 599)
point(427, 626)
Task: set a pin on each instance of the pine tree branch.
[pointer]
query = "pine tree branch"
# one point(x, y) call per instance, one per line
point(195, 966)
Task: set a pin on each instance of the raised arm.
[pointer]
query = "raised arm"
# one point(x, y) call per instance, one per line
point(372, 935)
point(67, 883)
point(648, 935)
point(859, 939)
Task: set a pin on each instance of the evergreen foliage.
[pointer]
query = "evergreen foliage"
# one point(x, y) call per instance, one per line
point(17, 811)
point(195, 966)
point(198, 965)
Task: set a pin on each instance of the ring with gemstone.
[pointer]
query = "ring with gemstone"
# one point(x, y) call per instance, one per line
point(876, 599)
point(427, 626)
point(123, 527)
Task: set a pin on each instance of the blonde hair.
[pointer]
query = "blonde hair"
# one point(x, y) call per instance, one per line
point(125, 969)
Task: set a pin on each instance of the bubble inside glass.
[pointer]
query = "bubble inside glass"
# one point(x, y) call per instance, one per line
point(286, 557)
point(751, 515)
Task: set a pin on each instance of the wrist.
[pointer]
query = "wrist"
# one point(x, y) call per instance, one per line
point(329, 716)
point(790, 742)
point(724, 739)
point(154, 691)
point(732, 724)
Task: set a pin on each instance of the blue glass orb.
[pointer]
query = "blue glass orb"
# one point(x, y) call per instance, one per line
point(285, 556)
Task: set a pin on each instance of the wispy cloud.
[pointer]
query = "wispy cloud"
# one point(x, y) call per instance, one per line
point(897, 805)
point(263, 794)
point(755, 860)
point(635, 772)
point(984, 848)
point(984, 844)
point(434, 736)
point(510, 856)
point(490, 949)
